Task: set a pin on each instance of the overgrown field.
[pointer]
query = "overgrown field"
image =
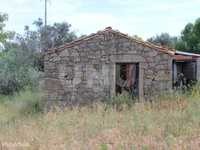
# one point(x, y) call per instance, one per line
point(171, 121)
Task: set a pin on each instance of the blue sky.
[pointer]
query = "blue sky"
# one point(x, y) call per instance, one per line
point(144, 18)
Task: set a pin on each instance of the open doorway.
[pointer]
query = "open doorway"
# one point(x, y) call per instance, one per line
point(127, 79)
point(184, 73)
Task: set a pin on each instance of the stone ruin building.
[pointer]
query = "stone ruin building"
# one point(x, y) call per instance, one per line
point(102, 65)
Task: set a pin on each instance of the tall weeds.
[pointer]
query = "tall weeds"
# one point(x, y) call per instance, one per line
point(170, 121)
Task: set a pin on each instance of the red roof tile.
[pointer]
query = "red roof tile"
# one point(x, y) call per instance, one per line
point(107, 30)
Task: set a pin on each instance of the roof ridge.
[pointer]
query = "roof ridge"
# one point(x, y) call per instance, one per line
point(109, 29)
point(149, 44)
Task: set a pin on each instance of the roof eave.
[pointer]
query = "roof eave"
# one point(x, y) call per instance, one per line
point(109, 29)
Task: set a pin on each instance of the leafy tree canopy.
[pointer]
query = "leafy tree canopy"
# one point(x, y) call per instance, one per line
point(190, 37)
point(17, 71)
point(21, 61)
point(188, 41)
point(164, 39)
point(3, 34)
point(51, 35)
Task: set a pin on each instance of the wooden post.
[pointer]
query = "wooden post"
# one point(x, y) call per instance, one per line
point(141, 82)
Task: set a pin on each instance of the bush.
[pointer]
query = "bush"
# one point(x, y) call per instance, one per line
point(195, 90)
point(17, 71)
point(21, 104)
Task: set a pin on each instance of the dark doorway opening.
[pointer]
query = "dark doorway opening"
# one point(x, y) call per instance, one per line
point(127, 78)
point(184, 73)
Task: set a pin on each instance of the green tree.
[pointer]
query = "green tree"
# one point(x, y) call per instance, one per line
point(53, 35)
point(17, 71)
point(190, 36)
point(17, 61)
point(137, 37)
point(180, 45)
point(43, 38)
point(21, 60)
point(3, 34)
point(164, 39)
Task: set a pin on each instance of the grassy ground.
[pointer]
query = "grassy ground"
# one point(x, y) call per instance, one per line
point(172, 121)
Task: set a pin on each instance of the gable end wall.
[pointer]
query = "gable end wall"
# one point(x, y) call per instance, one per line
point(85, 73)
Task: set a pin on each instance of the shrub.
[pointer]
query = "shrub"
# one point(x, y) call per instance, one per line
point(17, 71)
point(23, 103)
point(195, 90)
point(103, 147)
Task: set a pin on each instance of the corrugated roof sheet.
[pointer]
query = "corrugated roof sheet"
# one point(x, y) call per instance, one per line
point(182, 58)
point(187, 53)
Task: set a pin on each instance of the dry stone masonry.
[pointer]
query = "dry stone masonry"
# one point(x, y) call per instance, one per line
point(84, 71)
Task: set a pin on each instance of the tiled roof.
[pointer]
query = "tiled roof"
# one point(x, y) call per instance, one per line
point(107, 30)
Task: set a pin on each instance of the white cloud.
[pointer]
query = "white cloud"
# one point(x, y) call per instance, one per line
point(85, 23)
point(142, 17)
point(20, 1)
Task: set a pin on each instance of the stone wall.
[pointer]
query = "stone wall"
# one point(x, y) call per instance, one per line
point(85, 72)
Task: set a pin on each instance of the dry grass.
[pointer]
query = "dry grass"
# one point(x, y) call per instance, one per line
point(170, 123)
